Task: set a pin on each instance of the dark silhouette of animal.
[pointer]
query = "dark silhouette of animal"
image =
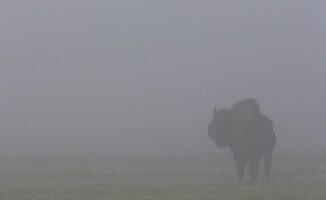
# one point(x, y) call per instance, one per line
point(248, 133)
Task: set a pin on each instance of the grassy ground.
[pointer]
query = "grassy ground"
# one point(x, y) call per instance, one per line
point(36, 181)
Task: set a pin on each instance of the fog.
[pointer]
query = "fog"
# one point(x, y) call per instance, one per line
point(127, 79)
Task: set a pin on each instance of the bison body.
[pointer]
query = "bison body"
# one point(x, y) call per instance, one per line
point(248, 133)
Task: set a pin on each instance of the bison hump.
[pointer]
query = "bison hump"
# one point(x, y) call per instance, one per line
point(245, 109)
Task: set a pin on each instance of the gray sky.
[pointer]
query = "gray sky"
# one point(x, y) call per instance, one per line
point(124, 78)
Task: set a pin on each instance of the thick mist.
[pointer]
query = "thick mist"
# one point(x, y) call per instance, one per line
point(126, 79)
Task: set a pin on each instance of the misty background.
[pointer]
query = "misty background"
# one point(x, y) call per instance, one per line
point(126, 79)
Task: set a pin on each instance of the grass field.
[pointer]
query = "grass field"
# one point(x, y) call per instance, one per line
point(100, 181)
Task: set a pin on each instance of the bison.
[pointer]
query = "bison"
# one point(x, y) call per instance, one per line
point(248, 133)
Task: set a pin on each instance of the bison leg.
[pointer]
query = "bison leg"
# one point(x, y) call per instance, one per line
point(254, 169)
point(267, 165)
point(240, 169)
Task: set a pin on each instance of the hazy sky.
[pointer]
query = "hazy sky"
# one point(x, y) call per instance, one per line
point(124, 78)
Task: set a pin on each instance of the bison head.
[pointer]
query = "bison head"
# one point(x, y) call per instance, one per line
point(220, 127)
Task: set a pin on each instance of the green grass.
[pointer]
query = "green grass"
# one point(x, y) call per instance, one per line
point(54, 181)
